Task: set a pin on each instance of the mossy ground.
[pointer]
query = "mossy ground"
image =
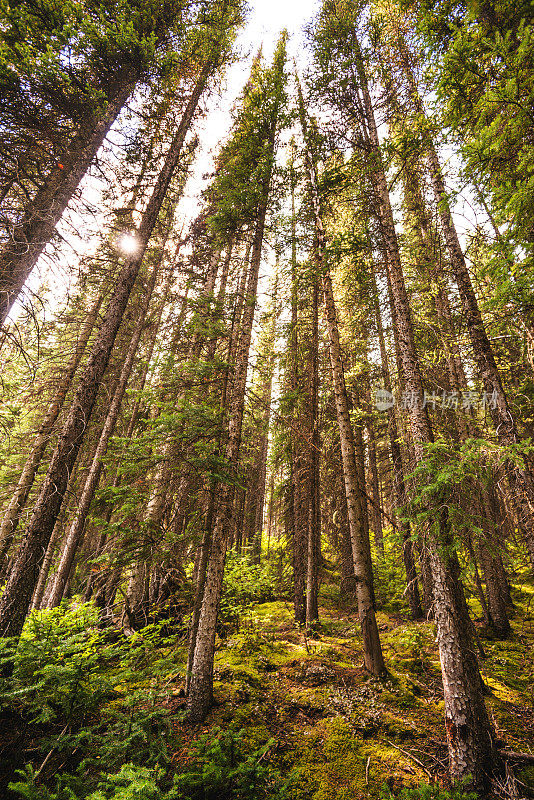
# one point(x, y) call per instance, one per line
point(340, 734)
point(348, 735)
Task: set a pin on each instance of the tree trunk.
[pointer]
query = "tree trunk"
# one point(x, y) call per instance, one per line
point(21, 584)
point(20, 495)
point(521, 480)
point(299, 478)
point(314, 527)
point(472, 753)
point(376, 506)
point(373, 658)
point(399, 486)
point(41, 215)
point(201, 682)
point(201, 685)
point(92, 480)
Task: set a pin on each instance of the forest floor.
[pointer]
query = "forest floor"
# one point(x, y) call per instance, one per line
point(296, 715)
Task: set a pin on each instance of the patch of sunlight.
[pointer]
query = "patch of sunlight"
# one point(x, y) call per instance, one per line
point(503, 692)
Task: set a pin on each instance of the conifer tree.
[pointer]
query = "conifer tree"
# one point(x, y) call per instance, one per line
point(357, 509)
point(23, 578)
point(107, 70)
point(254, 145)
point(469, 731)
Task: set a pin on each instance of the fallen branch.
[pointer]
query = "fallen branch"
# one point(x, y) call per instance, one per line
point(49, 756)
point(511, 755)
point(414, 759)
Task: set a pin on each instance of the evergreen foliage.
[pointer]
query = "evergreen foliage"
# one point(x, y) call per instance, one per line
point(266, 467)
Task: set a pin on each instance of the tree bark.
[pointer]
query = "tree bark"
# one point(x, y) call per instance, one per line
point(20, 495)
point(314, 527)
point(472, 753)
point(373, 658)
point(41, 215)
point(520, 479)
point(399, 486)
point(299, 478)
point(92, 480)
point(21, 583)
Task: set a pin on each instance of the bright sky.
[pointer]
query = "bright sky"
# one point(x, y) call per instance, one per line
point(267, 19)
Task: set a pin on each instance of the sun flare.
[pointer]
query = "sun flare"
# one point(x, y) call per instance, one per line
point(128, 244)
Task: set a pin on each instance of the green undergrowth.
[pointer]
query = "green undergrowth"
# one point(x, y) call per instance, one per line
point(90, 714)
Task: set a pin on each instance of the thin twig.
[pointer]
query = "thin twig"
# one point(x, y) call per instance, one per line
point(48, 757)
point(414, 759)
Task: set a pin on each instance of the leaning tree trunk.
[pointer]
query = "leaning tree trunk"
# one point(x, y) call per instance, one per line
point(399, 486)
point(77, 526)
point(135, 610)
point(21, 583)
point(41, 215)
point(521, 479)
point(22, 490)
point(466, 426)
point(94, 581)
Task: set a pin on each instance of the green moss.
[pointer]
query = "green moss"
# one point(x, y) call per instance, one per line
point(329, 764)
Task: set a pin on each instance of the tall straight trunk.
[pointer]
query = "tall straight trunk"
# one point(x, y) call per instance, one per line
point(376, 506)
point(521, 479)
point(348, 579)
point(270, 511)
point(203, 558)
point(359, 450)
point(41, 215)
point(22, 490)
point(203, 553)
point(373, 657)
point(261, 474)
point(21, 583)
point(92, 480)
point(472, 754)
point(201, 682)
point(399, 486)
point(314, 524)
point(299, 478)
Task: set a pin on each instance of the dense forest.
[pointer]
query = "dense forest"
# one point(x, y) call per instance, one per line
point(267, 401)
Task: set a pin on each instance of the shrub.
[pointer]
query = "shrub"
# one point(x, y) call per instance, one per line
point(222, 769)
point(427, 792)
point(245, 583)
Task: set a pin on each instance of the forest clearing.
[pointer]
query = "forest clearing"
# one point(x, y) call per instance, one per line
point(266, 400)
